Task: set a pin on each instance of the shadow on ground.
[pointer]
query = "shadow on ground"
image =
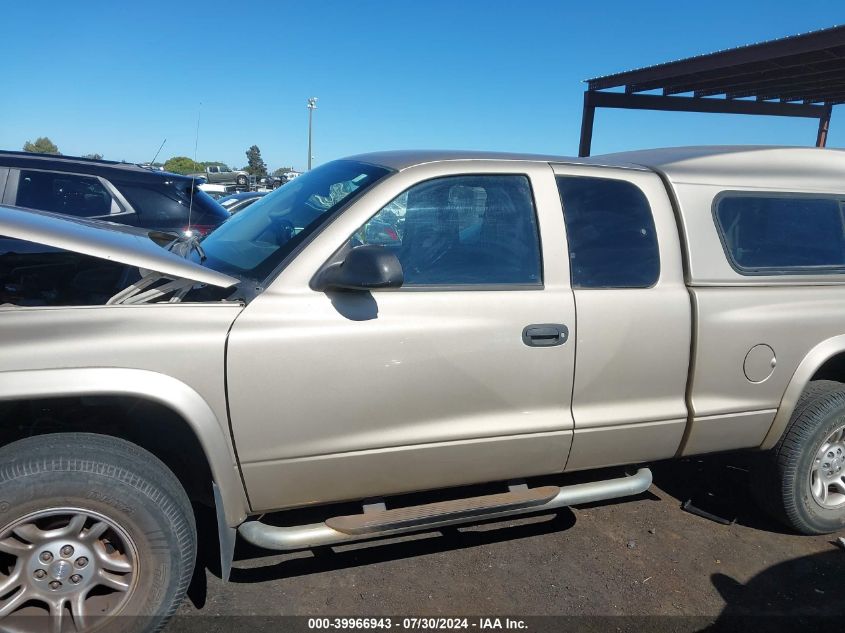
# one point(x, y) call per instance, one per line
point(719, 485)
point(801, 594)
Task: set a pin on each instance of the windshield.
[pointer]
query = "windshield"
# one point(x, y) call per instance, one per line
point(255, 241)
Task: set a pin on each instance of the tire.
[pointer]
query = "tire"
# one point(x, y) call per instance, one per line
point(242, 181)
point(112, 529)
point(787, 480)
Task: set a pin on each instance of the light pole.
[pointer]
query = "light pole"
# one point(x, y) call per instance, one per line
point(312, 105)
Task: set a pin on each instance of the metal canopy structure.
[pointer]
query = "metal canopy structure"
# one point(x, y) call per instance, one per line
point(797, 76)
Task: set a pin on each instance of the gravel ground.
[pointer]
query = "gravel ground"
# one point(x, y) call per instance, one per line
point(641, 557)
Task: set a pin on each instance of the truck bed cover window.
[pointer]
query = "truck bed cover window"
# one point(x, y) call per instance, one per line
point(610, 231)
point(768, 232)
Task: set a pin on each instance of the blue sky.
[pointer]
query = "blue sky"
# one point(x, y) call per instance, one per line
point(118, 77)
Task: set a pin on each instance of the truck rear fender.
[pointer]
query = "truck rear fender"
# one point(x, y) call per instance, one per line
point(807, 369)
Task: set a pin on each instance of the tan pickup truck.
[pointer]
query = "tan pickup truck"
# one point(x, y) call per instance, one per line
point(408, 321)
point(222, 175)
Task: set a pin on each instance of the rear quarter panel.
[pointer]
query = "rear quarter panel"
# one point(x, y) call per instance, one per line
point(733, 314)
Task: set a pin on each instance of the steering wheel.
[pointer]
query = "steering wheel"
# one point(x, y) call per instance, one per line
point(283, 230)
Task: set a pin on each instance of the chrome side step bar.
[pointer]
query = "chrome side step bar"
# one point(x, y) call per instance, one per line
point(519, 500)
point(321, 534)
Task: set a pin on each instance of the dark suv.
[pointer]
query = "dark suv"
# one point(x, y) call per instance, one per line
point(107, 190)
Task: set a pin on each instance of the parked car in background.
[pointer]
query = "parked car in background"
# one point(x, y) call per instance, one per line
point(274, 182)
point(271, 182)
point(221, 174)
point(239, 201)
point(217, 191)
point(107, 190)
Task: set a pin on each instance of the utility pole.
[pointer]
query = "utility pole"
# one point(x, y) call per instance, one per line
point(312, 105)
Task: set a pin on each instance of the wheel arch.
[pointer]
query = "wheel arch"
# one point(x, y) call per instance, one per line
point(170, 393)
point(825, 360)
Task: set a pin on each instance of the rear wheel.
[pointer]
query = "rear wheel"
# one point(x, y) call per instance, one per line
point(242, 181)
point(801, 481)
point(95, 534)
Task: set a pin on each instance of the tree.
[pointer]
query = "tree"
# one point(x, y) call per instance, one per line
point(256, 167)
point(42, 145)
point(93, 156)
point(281, 171)
point(182, 165)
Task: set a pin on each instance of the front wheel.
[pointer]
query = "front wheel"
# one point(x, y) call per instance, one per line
point(242, 181)
point(801, 481)
point(96, 534)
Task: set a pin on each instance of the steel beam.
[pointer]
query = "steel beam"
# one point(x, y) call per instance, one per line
point(587, 119)
point(597, 99)
point(692, 104)
point(824, 126)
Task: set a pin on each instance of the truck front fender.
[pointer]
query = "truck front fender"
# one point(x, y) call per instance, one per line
point(811, 363)
point(160, 388)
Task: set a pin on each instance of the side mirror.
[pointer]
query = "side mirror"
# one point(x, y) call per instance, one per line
point(363, 268)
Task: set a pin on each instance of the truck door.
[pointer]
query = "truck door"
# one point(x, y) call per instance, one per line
point(633, 311)
point(462, 375)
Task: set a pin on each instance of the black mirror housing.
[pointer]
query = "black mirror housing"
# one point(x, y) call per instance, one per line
point(364, 268)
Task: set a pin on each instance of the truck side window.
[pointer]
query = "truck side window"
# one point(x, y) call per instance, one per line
point(461, 230)
point(610, 231)
point(783, 232)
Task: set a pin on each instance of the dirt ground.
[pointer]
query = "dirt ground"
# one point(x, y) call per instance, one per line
point(638, 558)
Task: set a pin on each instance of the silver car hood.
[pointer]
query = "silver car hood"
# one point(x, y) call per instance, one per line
point(106, 240)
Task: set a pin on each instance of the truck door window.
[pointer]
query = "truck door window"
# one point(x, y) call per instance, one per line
point(461, 230)
point(610, 231)
point(70, 194)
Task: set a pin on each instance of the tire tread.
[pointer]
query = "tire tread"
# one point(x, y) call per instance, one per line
point(774, 475)
point(117, 459)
